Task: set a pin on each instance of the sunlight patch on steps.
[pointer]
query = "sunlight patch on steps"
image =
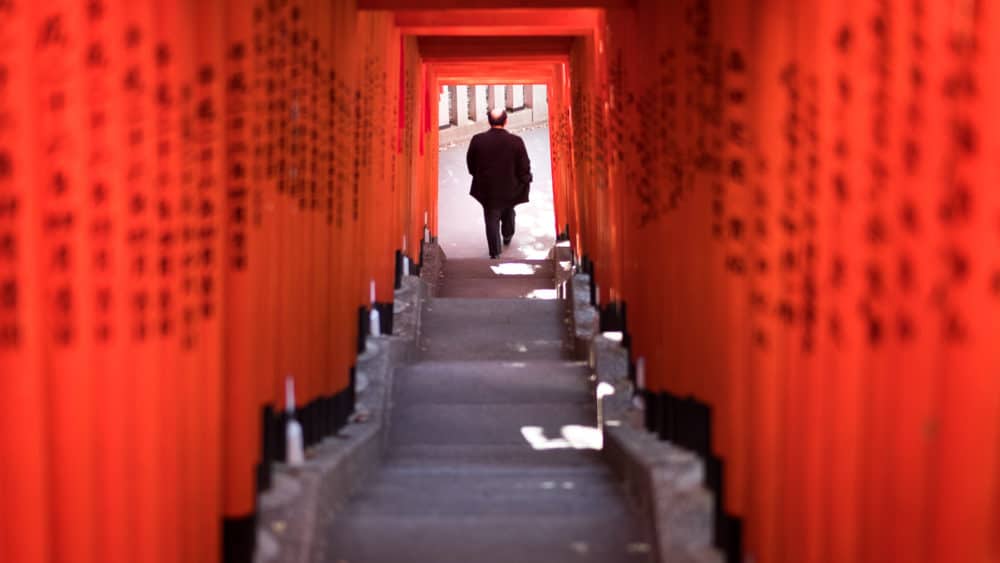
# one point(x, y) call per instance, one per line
point(573, 436)
point(543, 294)
point(514, 269)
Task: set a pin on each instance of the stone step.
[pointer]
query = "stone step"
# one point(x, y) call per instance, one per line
point(492, 424)
point(528, 288)
point(469, 277)
point(504, 269)
point(490, 455)
point(530, 492)
point(493, 382)
point(492, 459)
point(493, 329)
point(563, 538)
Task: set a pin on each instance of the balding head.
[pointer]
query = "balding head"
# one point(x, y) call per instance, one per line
point(497, 117)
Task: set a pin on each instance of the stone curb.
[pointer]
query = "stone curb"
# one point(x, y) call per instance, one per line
point(303, 500)
point(665, 483)
point(584, 315)
point(432, 268)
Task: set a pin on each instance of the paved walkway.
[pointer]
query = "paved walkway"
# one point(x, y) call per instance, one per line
point(491, 453)
point(460, 227)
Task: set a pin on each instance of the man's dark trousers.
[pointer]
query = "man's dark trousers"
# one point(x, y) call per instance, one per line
point(498, 221)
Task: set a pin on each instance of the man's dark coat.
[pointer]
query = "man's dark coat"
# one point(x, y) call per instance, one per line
point(501, 171)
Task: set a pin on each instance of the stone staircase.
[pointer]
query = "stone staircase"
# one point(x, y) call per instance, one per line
point(490, 454)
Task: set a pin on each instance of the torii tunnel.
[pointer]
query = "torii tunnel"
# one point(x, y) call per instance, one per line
point(790, 208)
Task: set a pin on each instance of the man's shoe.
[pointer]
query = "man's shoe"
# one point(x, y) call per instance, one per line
point(494, 256)
point(506, 241)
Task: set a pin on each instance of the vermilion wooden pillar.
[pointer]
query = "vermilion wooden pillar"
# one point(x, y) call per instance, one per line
point(167, 299)
point(210, 174)
point(736, 261)
point(343, 337)
point(915, 372)
point(321, 194)
point(966, 465)
point(848, 332)
point(25, 505)
point(138, 221)
point(808, 510)
point(640, 321)
point(558, 190)
point(281, 165)
point(243, 272)
point(108, 200)
point(881, 148)
point(65, 281)
point(768, 340)
point(186, 377)
point(261, 244)
point(787, 239)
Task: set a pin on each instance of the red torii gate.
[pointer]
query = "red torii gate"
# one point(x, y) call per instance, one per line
point(801, 193)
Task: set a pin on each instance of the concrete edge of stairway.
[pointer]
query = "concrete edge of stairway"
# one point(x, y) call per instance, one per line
point(432, 266)
point(665, 484)
point(302, 500)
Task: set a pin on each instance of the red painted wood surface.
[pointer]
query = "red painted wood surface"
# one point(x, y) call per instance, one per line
point(24, 496)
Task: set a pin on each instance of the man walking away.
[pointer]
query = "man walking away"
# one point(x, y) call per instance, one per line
point(501, 178)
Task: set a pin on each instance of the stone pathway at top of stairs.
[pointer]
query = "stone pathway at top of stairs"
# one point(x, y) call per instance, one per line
point(489, 456)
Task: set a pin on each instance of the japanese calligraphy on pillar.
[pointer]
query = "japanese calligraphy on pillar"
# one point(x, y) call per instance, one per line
point(11, 186)
point(207, 133)
point(260, 138)
point(877, 228)
point(168, 188)
point(331, 146)
point(962, 165)
point(103, 186)
point(136, 86)
point(238, 153)
point(58, 147)
point(737, 153)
